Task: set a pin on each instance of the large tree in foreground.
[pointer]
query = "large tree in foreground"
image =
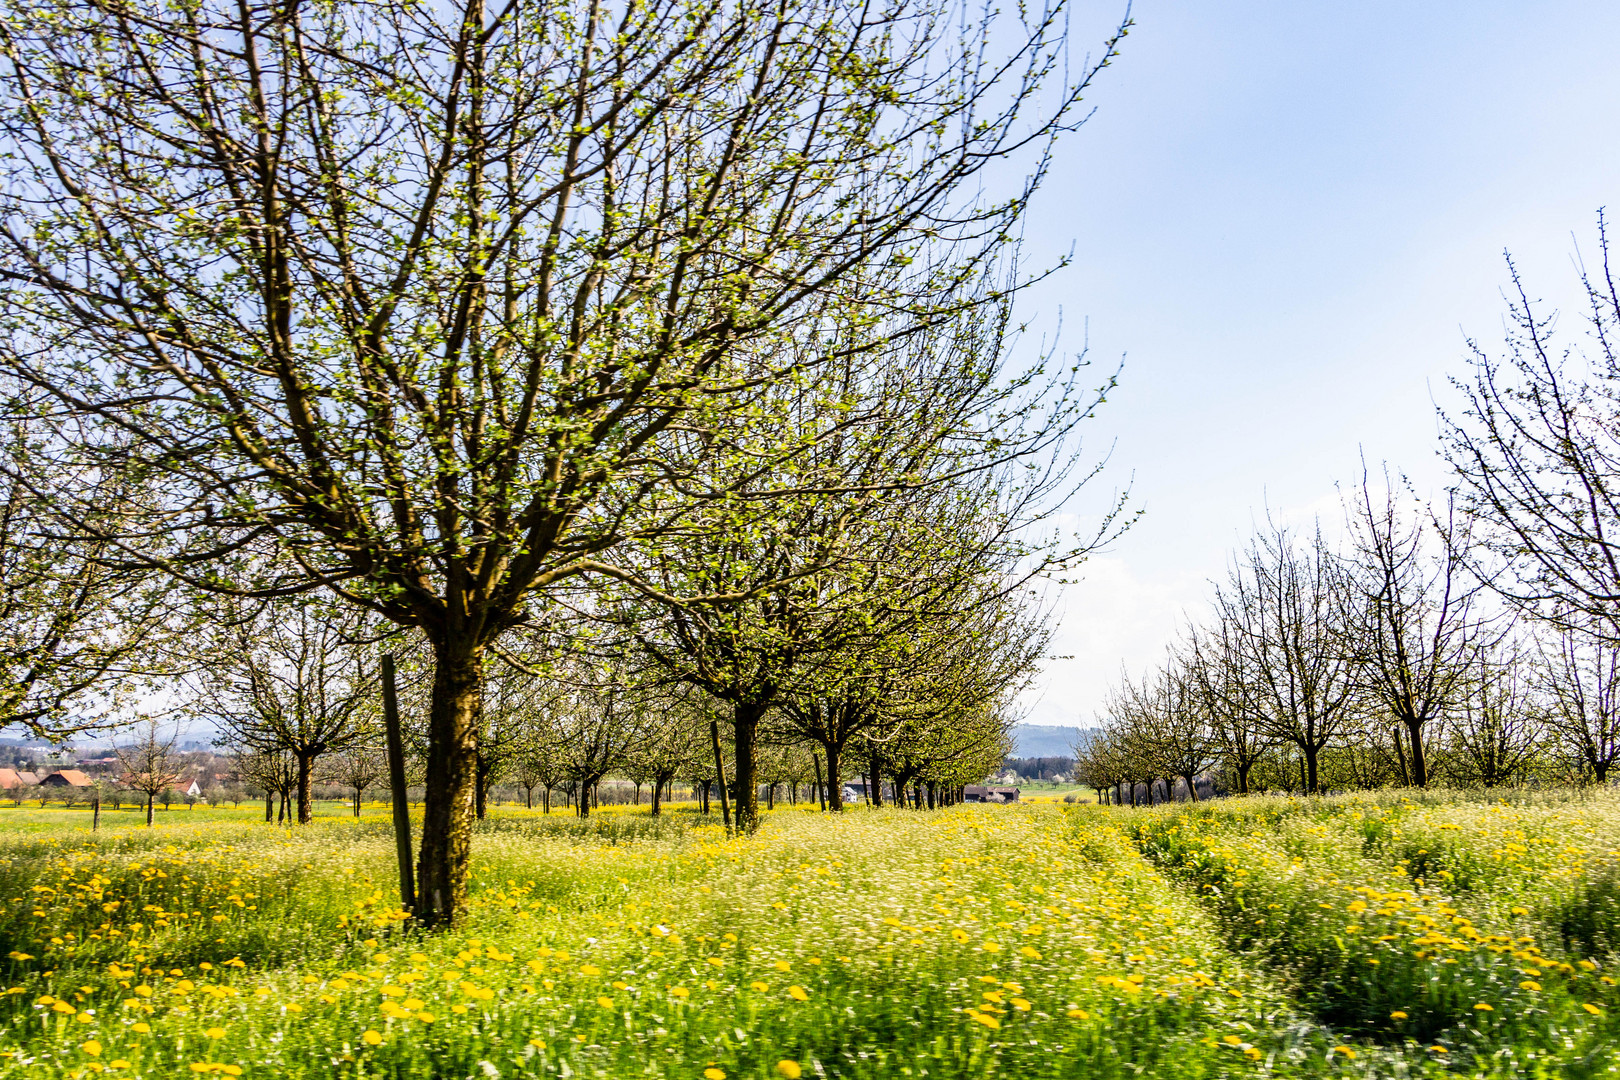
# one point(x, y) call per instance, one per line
point(433, 298)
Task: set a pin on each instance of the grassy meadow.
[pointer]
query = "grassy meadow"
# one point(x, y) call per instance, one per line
point(1374, 935)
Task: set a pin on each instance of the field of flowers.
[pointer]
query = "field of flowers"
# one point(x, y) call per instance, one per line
point(1338, 937)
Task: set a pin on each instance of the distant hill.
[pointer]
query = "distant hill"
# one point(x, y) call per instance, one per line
point(1042, 740)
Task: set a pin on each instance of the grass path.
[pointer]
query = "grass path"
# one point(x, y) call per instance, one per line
point(1391, 951)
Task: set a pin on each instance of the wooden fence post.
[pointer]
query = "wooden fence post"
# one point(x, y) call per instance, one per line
point(720, 771)
point(396, 780)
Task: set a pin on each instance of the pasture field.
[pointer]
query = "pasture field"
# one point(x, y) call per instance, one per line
point(1379, 935)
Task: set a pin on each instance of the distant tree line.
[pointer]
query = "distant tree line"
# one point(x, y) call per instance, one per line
point(1470, 641)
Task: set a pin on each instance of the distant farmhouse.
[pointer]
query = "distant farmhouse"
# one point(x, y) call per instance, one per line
point(987, 793)
point(66, 778)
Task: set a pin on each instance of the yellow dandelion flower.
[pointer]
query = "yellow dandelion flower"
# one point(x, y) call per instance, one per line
point(426, 1017)
point(1345, 1050)
point(1529, 984)
point(1482, 1007)
point(92, 1048)
point(215, 1033)
point(1593, 1009)
point(141, 1029)
point(759, 986)
point(1397, 1015)
point(789, 1069)
point(1078, 1014)
point(798, 993)
point(712, 1073)
point(605, 1002)
point(371, 1037)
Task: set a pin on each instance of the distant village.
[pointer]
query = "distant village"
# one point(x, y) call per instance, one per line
point(201, 775)
point(206, 776)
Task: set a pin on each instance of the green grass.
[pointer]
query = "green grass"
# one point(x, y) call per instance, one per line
point(1022, 941)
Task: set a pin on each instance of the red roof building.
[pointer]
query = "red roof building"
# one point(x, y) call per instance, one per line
point(66, 778)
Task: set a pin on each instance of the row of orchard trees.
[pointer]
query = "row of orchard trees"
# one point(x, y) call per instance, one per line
point(1473, 642)
point(296, 692)
point(669, 337)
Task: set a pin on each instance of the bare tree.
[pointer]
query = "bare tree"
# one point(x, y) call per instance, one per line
point(295, 677)
point(148, 764)
point(1415, 628)
point(1580, 674)
point(1499, 727)
point(357, 768)
point(1286, 604)
point(273, 772)
point(1217, 670)
point(1536, 450)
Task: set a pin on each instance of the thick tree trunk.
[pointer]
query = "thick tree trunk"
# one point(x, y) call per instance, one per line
point(149, 811)
point(657, 802)
point(306, 766)
point(835, 768)
point(269, 807)
point(1420, 764)
point(452, 767)
point(876, 777)
point(745, 719)
point(1192, 787)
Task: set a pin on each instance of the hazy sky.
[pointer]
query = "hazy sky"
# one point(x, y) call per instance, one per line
point(1286, 218)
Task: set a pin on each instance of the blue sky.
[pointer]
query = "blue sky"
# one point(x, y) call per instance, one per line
point(1287, 217)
